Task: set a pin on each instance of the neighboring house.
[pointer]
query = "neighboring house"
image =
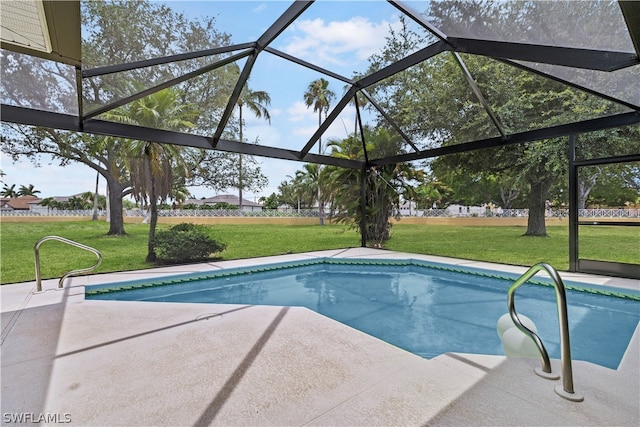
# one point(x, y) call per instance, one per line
point(408, 208)
point(22, 203)
point(247, 205)
point(459, 210)
point(45, 210)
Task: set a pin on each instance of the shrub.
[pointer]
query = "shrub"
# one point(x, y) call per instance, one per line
point(224, 205)
point(185, 242)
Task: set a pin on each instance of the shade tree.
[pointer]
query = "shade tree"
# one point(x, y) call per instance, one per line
point(118, 32)
point(436, 106)
point(151, 165)
point(384, 186)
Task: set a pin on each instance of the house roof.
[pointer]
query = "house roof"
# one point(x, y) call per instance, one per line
point(223, 198)
point(18, 203)
point(46, 29)
point(66, 198)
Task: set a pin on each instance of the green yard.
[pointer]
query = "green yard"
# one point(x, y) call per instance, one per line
point(503, 244)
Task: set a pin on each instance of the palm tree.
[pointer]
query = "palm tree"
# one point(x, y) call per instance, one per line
point(359, 102)
point(319, 95)
point(180, 194)
point(430, 192)
point(50, 203)
point(306, 182)
point(9, 191)
point(27, 191)
point(152, 165)
point(257, 102)
point(384, 184)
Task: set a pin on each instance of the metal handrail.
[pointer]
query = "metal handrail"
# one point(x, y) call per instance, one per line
point(567, 390)
point(36, 249)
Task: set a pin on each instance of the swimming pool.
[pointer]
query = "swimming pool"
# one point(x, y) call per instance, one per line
point(426, 308)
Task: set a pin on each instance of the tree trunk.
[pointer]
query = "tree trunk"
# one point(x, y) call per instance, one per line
point(508, 196)
point(240, 183)
point(585, 185)
point(95, 199)
point(116, 218)
point(151, 253)
point(536, 225)
point(151, 247)
point(379, 211)
point(320, 204)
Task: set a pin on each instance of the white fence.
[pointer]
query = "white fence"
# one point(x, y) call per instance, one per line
point(265, 213)
point(524, 213)
point(311, 213)
point(53, 212)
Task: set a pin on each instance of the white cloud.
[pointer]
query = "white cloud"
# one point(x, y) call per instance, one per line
point(306, 121)
point(275, 112)
point(304, 132)
point(338, 42)
point(259, 8)
point(299, 111)
point(267, 135)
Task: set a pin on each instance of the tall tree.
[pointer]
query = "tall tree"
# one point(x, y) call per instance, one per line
point(434, 104)
point(28, 190)
point(385, 185)
point(117, 32)
point(151, 165)
point(319, 96)
point(430, 193)
point(298, 192)
point(617, 186)
point(9, 191)
point(257, 102)
point(612, 142)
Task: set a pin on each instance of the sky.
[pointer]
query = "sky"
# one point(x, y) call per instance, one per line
point(336, 35)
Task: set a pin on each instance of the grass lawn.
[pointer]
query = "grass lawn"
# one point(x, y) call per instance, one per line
point(497, 244)
point(509, 245)
point(121, 253)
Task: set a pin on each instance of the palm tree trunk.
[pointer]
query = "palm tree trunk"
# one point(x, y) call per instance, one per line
point(151, 253)
point(240, 168)
point(240, 185)
point(320, 204)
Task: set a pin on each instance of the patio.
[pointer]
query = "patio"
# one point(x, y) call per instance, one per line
point(114, 363)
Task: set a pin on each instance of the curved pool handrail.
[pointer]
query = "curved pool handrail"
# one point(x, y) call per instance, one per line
point(36, 250)
point(567, 390)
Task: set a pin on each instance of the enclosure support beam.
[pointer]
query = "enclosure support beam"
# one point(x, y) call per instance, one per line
point(601, 123)
point(589, 59)
point(573, 205)
point(165, 85)
point(363, 206)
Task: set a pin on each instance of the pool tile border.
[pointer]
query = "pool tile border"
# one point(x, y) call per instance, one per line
point(94, 290)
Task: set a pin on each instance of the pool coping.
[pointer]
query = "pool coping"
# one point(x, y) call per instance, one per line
point(61, 355)
point(177, 279)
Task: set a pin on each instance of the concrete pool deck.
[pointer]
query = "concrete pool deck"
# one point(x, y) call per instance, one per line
point(82, 362)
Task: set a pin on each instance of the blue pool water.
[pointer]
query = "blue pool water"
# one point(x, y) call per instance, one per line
point(424, 308)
